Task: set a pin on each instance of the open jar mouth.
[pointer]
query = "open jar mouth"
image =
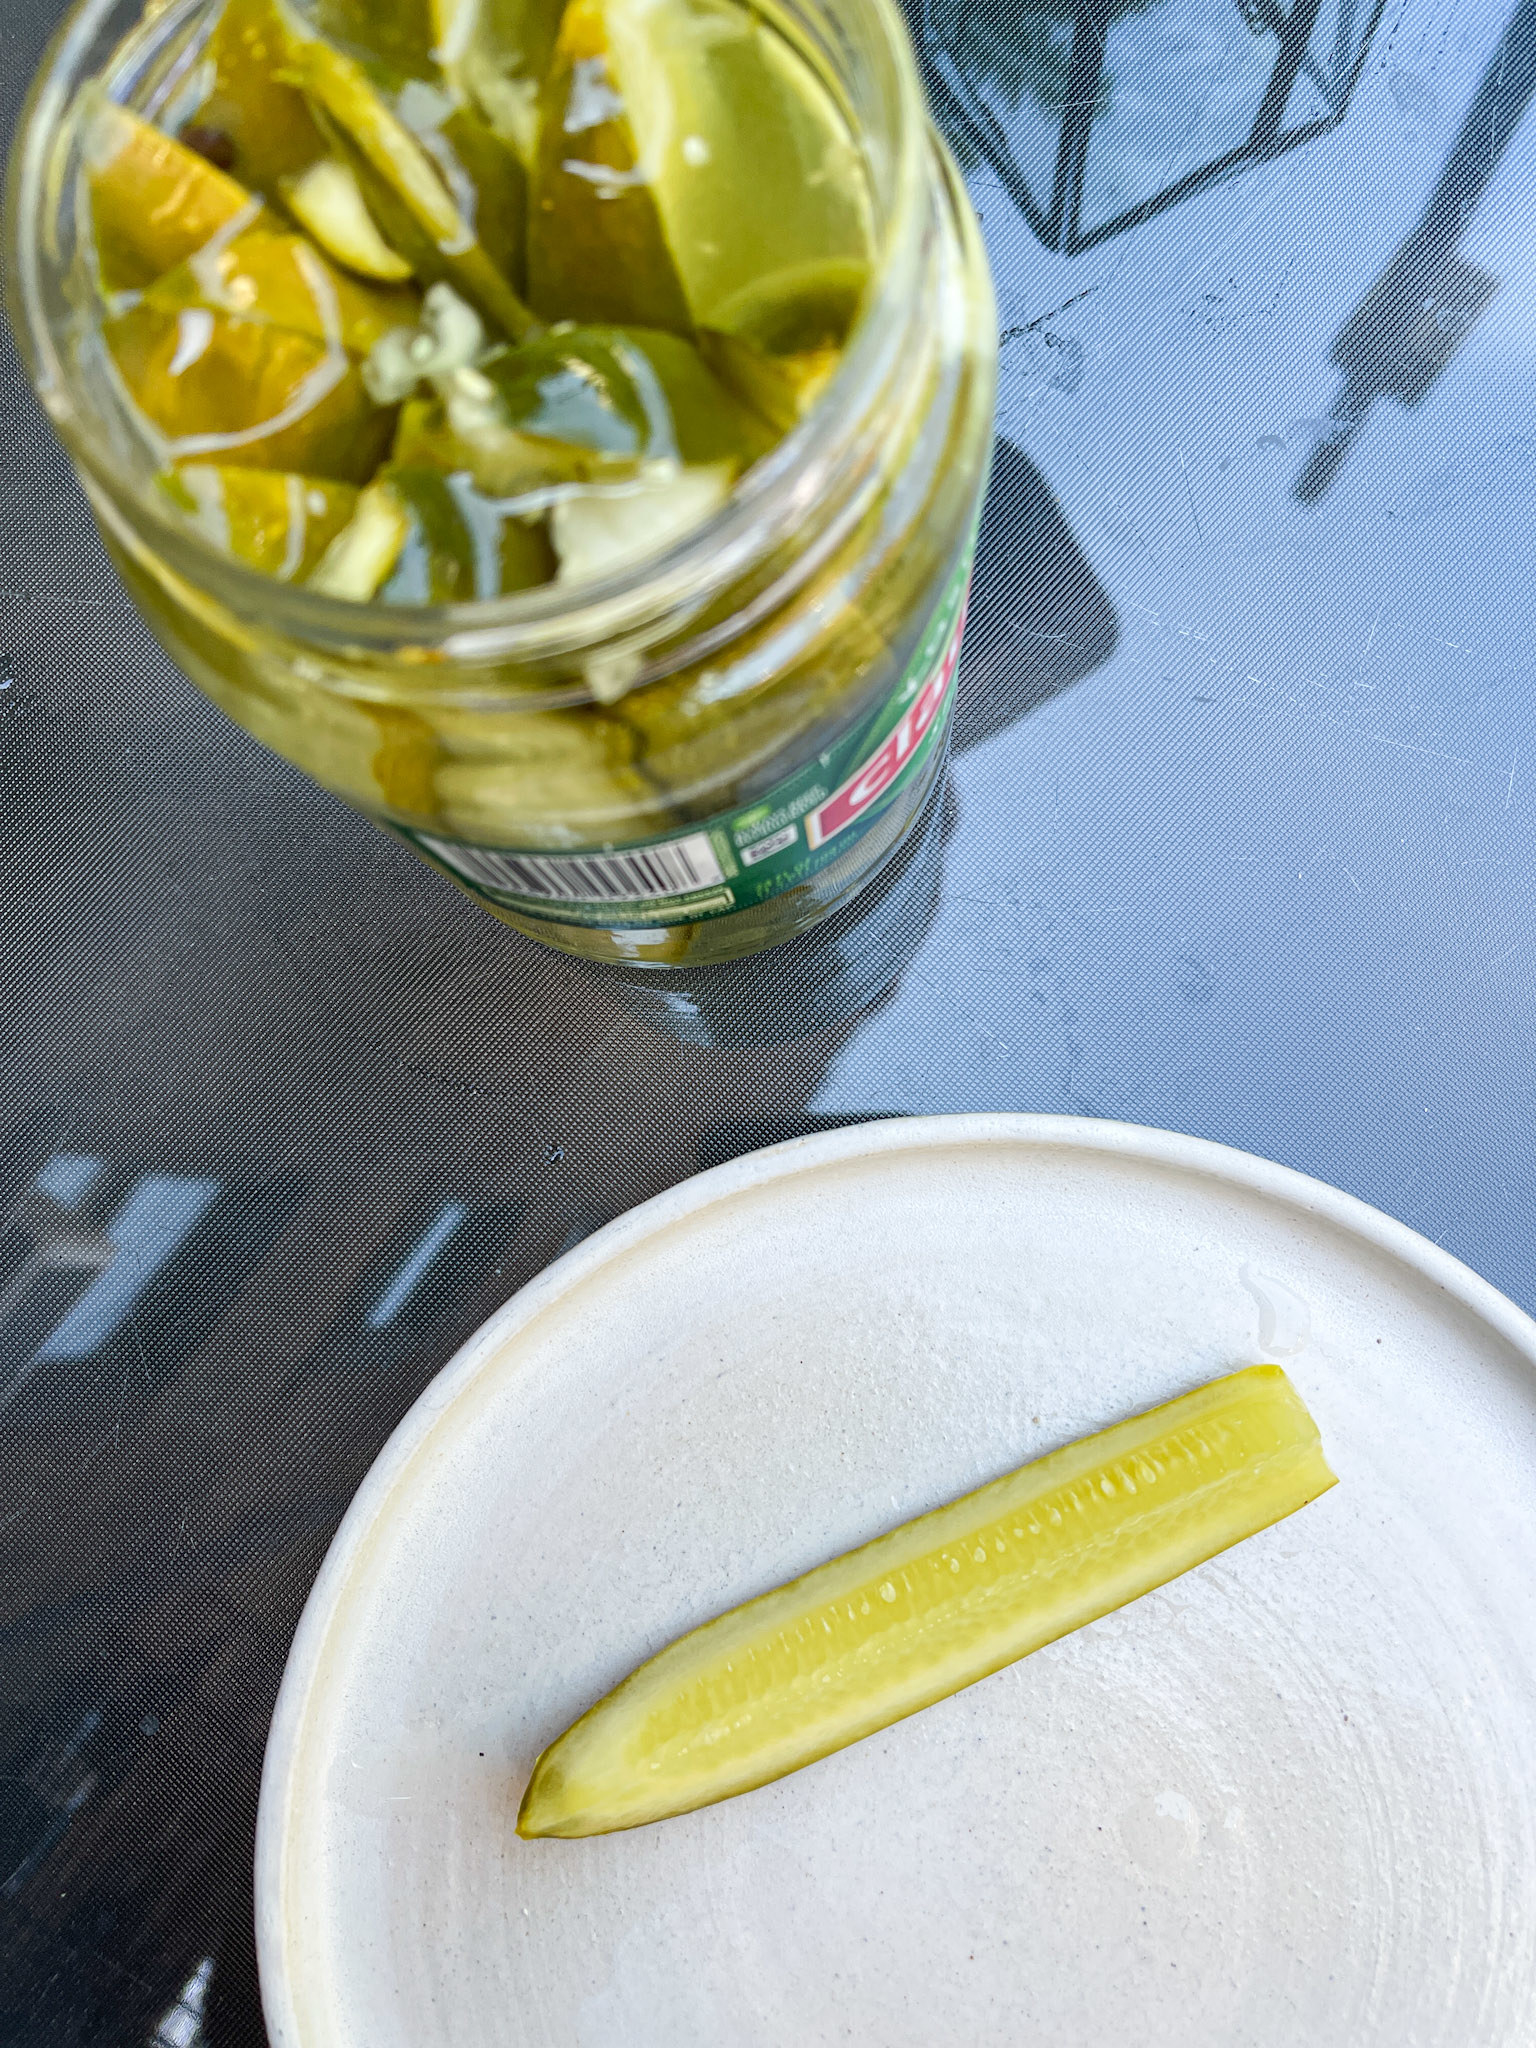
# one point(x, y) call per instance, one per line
point(864, 48)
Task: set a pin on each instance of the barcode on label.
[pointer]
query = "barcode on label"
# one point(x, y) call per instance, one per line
point(672, 867)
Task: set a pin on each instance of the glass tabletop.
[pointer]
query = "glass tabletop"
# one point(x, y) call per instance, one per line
point(1238, 839)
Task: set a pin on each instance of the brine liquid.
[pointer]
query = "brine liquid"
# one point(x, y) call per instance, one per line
point(423, 304)
point(436, 303)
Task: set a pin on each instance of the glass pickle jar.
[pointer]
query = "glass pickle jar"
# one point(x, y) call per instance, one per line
point(691, 759)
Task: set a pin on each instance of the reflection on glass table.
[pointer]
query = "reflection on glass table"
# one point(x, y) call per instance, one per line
point(1097, 113)
point(817, 982)
point(1404, 334)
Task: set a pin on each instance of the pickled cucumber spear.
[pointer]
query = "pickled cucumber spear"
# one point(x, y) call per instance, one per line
point(932, 1606)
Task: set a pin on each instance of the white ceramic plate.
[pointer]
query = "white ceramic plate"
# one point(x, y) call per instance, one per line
point(1285, 1800)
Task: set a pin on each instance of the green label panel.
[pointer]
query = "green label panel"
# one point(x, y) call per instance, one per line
point(739, 858)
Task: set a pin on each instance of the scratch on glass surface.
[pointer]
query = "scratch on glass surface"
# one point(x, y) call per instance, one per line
point(1029, 326)
point(1189, 490)
point(138, 1347)
point(1097, 483)
point(1278, 697)
point(1409, 747)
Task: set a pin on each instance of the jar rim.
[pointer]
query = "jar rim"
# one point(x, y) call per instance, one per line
point(778, 492)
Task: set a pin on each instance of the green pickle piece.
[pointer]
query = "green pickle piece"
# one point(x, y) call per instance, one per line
point(405, 762)
point(459, 545)
point(362, 558)
point(328, 202)
point(321, 730)
point(543, 778)
point(497, 52)
point(787, 347)
point(219, 387)
point(581, 405)
point(694, 741)
point(265, 123)
point(625, 396)
point(754, 174)
point(424, 440)
point(401, 36)
point(608, 527)
point(596, 246)
point(498, 181)
point(272, 520)
point(154, 202)
point(407, 55)
point(780, 389)
point(415, 180)
point(497, 460)
point(281, 279)
point(484, 261)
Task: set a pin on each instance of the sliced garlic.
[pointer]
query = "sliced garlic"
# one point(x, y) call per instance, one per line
point(445, 343)
point(360, 559)
point(328, 201)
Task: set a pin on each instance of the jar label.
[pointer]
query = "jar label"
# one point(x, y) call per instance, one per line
point(741, 857)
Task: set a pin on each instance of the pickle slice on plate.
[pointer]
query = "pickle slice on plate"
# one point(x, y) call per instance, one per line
point(222, 389)
point(597, 250)
point(931, 1607)
point(154, 202)
point(274, 520)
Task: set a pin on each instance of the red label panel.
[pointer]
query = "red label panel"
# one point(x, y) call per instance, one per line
point(873, 778)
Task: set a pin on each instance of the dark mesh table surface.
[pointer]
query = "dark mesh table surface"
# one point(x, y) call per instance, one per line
point(1238, 840)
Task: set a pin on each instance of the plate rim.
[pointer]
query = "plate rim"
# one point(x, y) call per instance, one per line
point(869, 1139)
